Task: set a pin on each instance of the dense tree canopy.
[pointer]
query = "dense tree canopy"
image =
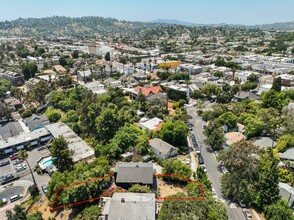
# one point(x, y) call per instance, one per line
point(61, 154)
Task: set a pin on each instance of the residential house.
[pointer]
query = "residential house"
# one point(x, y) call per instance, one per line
point(287, 193)
point(36, 122)
point(153, 124)
point(84, 75)
point(245, 95)
point(96, 87)
point(13, 104)
point(59, 69)
point(127, 174)
point(287, 80)
point(264, 142)
point(162, 149)
point(15, 79)
point(288, 155)
point(232, 138)
point(10, 129)
point(130, 206)
point(147, 91)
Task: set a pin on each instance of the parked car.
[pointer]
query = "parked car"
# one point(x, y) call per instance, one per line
point(44, 188)
point(42, 148)
point(15, 197)
point(187, 161)
point(213, 193)
point(242, 205)
point(224, 169)
point(14, 156)
point(20, 167)
point(197, 149)
point(203, 167)
point(200, 159)
point(17, 161)
point(7, 178)
point(247, 214)
point(4, 163)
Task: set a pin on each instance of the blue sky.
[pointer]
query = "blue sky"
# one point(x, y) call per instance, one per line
point(196, 11)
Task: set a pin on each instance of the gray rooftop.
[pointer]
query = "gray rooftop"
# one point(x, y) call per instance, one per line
point(134, 173)
point(264, 142)
point(161, 145)
point(10, 129)
point(132, 206)
point(36, 121)
point(288, 154)
point(23, 138)
point(286, 192)
point(81, 149)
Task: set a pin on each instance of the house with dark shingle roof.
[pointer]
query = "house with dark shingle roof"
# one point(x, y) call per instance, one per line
point(127, 174)
point(162, 149)
point(36, 121)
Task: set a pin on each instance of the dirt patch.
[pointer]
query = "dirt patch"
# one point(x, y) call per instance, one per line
point(42, 205)
point(168, 189)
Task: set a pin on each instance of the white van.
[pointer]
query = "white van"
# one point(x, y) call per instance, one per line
point(15, 197)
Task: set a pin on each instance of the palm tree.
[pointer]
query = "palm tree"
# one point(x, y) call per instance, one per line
point(23, 155)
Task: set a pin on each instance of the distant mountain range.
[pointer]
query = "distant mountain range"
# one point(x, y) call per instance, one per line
point(177, 22)
point(274, 26)
point(93, 26)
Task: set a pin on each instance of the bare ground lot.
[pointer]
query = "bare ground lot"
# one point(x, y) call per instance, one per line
point(168, 189)
point(42, 205)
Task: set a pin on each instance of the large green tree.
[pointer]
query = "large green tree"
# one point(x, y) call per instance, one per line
point(228, 119)
point(29, 70)
point(175, 133)
point(279, 211)
point(61, 154)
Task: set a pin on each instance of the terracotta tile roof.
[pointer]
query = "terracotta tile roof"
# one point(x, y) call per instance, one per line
point(150, 90)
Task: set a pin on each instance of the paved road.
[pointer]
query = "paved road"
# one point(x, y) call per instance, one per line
point(213, 172)
point(19, 186)
point(11, 191)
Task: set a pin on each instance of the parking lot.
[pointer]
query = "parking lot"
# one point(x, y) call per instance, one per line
point(34, 156)
point(11, 169)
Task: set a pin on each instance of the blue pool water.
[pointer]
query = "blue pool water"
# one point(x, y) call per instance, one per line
point(47, 163)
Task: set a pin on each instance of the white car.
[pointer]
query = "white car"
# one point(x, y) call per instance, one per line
point(20, 167)
point(203, 167)
point(213, 193)
point(187, 161)
point(17, 161)
point(224, 169)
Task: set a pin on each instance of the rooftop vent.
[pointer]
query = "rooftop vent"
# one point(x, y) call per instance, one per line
point(123, 200)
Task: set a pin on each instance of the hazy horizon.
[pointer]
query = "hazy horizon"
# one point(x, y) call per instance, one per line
point(247, 12)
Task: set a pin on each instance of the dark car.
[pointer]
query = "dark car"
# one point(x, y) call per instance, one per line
point(200, 159)
point(42, 148)
point(4, 163)
point(44, 188)
point(7, 177)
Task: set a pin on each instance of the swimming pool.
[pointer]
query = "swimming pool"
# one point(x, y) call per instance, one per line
point(47, 163)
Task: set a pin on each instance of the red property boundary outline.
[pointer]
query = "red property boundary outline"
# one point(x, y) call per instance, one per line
point(111, 175)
